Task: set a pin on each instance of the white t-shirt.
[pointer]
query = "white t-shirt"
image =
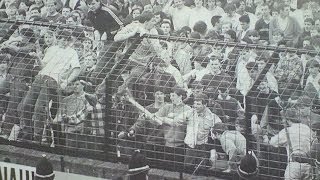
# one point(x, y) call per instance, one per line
point(58, 62)
point(199, 14)
point(180, 17)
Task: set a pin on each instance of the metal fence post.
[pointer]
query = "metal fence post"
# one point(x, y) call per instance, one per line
point(110, 77)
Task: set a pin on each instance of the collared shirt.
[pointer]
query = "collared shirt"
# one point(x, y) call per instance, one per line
point(174, 134)
point(300, 136)
point(198, 126)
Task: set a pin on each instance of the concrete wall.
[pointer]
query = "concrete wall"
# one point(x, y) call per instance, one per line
point(83, 166)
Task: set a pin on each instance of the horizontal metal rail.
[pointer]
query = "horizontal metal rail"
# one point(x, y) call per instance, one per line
point(234, 44)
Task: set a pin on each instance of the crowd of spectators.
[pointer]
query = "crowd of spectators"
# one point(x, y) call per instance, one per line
point(183, 103)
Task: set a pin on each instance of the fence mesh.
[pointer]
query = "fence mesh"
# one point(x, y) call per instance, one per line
point(190, 105)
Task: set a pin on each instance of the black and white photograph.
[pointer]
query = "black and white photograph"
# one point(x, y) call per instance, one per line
point(160, 89)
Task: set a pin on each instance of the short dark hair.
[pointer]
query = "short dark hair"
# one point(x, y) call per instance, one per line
point(22, 12)
point(65, 33)
point(232, 34)
point(200, 27)
point(215, 19)
point(313, 63)
point(201, 97)
point(219, 128)
point(245, 18)
point(195, 35)
point(145, 17)
point(180, 91)
point(28, 32)
point(309, 20)
point(35, 8)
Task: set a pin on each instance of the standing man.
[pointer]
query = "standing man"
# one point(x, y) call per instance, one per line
point(104, 18)
point(174, 118)
point(199, 122)
point(20, 68)
point(297, 139)
point(60, 67)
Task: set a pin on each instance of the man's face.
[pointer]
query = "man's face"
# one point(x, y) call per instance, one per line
point(198, 3)
point(178, 3)
point(165, 27)
point(51, 7)
point(78, 87)
point(11, 11)
point(253, 73)
point(274, 14)
point(65, 12)
point(148, 8)
point(314, 32)
point(244, 25)
point(265, 11)
point(159, 96)
point(306, 43)
point(3, 67)
point(313, 71)
point(23, 6)
point(48, 39)
point(304, 111)
point(307, 26)
point(277, 37)
point(224, 94)
point(87, 44)
point(157, 18)
point(317, 24)
point(20, 17)
point(263, 87)
point(215, 66)
point(225, 28)
point(35, 13)
point(63, 42)
point(70, 21)
point(307, 14)
point(198, 106)
point(211, 3)
point(285, 12)
point(95, 5)
point(175, 99)
point(136, 13)
point(227, 38)
point(242, 6)
point(90, 61)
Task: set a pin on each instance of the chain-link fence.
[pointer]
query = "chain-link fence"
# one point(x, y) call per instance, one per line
point(194, 106)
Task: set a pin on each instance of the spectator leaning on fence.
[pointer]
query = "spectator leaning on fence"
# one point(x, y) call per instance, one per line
point(174, 120)
point(233, 144)
point(20, 74)
point(297, 139)
point(49, 81)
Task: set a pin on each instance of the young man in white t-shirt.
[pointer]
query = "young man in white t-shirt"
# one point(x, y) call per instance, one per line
point(60, 66)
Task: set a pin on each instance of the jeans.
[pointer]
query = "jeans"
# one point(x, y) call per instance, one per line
point(35, 105)
point(18, 90)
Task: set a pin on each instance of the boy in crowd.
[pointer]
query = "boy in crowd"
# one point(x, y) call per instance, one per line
point(51, 14)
